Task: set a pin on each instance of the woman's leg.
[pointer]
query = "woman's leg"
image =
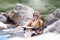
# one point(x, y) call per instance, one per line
point(39, 32)
point(28, 33)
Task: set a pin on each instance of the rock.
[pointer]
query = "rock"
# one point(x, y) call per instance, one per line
point(3, 18)
point(51, 18)
point(18, 29)
point(57, 13)
point(21, 14)
point(2, 26)
point(55, 27)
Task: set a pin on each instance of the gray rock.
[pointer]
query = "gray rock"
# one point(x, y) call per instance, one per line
point(22, 14)
point(57, 13)
point(3, 18)
point(54, 27)
point(51, 18)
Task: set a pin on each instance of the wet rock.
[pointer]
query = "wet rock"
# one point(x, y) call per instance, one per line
point(51, 18)
point(21, 14)
point(3, 18)
point(55, 27)
point(57, 13)
point(2, 26)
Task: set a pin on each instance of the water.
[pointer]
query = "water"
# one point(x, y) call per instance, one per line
point(4, 37)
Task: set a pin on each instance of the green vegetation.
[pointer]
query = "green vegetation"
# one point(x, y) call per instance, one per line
point(46, 8)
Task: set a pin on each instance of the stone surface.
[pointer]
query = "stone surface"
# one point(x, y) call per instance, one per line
point(54, 27)
point(21, 14)
point(3, 18)
point(51, 18)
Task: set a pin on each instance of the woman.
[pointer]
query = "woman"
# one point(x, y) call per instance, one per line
point(36, 23)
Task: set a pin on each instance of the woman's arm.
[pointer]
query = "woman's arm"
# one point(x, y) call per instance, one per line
point(41, 23)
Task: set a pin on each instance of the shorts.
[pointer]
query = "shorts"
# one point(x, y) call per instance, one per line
point(34, 29)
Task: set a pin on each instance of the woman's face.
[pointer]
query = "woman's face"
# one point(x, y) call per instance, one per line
point(35, 16)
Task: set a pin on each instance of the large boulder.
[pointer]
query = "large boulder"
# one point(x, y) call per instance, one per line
point(21, 14)
point(57, 13)
point(54, 27)
point(3, 18)
point(51, 18)
point(3, 26)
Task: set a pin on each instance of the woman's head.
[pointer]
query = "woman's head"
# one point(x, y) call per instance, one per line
point(36, 15)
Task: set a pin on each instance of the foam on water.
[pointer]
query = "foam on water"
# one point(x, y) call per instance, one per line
point(46, 36)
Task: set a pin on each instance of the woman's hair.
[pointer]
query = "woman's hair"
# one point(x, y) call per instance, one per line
point(37, 13)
